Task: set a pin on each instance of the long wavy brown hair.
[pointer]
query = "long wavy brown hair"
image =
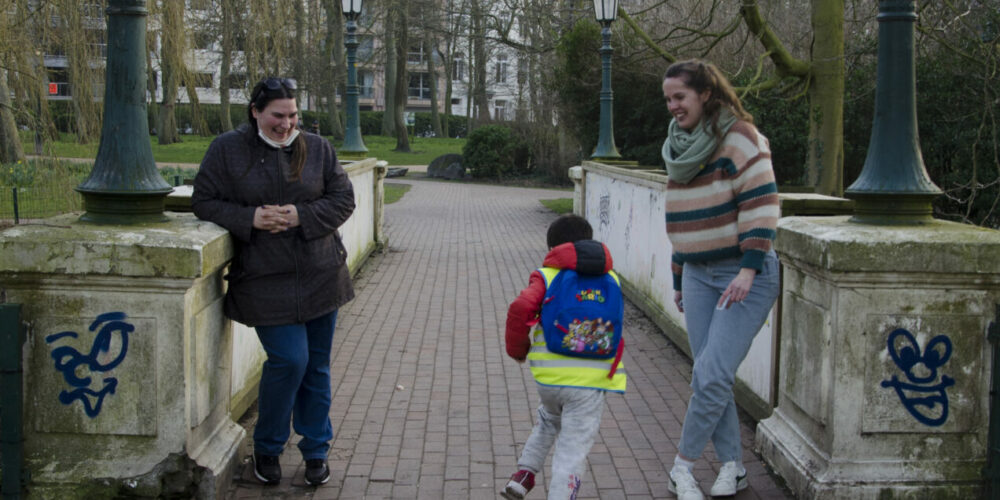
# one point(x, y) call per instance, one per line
point(261, 96)
point(701, 76)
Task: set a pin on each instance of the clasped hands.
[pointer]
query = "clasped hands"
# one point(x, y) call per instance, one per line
point(275, 218)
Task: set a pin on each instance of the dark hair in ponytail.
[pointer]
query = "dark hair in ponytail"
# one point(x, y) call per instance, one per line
point(264, 92)
point(704, 76)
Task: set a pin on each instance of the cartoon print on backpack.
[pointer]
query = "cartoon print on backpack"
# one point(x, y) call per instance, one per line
point(588, 335)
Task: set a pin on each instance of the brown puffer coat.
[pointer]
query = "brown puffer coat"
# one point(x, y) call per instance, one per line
point(289, 277)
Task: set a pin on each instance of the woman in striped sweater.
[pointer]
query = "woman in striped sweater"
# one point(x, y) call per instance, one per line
point(721, 212)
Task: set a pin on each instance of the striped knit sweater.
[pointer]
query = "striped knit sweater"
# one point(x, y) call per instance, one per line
point(730, 209)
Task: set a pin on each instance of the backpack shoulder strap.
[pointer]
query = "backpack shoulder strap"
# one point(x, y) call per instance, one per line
point(549, 273)
point(615, 276)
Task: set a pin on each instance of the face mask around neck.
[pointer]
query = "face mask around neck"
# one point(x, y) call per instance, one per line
point(276, 144)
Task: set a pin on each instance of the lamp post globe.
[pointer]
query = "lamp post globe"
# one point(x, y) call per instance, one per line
point(354, 145)
point(605, 12)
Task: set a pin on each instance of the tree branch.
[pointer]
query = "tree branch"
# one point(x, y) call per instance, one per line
point(784, 62)
point(645, 38)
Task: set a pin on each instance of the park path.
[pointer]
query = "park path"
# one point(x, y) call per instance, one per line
point(426, 403)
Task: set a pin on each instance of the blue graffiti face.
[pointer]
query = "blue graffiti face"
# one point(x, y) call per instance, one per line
point(926, 401)
point(71, 362)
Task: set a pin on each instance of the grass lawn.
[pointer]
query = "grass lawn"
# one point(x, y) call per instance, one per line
point(192, 148)
point(394, 191)
point(559, 205)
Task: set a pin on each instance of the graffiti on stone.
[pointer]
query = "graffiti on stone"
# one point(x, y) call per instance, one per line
point(79, 369)
point(605, 211)
point(922, 393)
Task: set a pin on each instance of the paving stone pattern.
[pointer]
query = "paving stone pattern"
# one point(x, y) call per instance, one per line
point(426, 403)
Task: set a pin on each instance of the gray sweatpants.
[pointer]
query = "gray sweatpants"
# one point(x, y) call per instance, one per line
point(568, 417)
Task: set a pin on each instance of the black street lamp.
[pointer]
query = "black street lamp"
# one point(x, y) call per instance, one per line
point(605, 11)
point(125, 186)
point(354, 145)
point(893, 187)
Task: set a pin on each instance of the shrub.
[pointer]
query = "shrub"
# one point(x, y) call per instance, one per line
point(494, 151)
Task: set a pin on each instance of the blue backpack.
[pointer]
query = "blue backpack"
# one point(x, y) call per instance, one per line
point(582, 315)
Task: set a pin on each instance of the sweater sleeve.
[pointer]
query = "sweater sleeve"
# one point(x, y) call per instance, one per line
point(522, 315)
point(211, 200)
point(677, 269)
point(757, 199)
point(325, 214)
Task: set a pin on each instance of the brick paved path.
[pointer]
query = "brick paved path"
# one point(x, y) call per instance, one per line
point(427, 405)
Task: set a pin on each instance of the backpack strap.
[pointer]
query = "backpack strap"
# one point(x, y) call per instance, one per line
point(618, 358)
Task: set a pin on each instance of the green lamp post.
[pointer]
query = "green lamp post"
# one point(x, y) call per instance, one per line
point(125, 186)
point(354, 145)
point(893, 188)
point(605, 11)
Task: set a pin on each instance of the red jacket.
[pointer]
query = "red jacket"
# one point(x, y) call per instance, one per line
point(583, 256)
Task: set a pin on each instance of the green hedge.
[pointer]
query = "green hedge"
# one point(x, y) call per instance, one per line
point(371, 121)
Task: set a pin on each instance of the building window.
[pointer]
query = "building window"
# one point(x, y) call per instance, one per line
point(420, 86)
point(501, 73)
point(499, 109)
point(366, 47)
point(92, 10)
point(58, 82)
point(200, 80)
point(458, 69)
point(366, 80)
point(203, 40)
point(456, 101)
point(238, 81)
point(416, 54)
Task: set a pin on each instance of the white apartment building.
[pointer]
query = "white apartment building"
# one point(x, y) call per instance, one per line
point(203, 60)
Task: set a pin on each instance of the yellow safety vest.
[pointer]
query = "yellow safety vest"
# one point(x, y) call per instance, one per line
point(567, 371)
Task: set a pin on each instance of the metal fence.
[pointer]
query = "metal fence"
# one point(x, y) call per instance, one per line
point(19, 204)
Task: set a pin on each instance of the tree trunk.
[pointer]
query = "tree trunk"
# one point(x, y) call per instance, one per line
point(229, 27)
point(479, 62)
point(389, 87)
point(10, 142)
point(336, 68)
point(198, 126)
point(433, 82)
point(825, 158)
point(299, 55)
point(402, 47)
point(170, 69)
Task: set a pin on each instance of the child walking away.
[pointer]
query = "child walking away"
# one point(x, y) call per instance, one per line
point(567, 325)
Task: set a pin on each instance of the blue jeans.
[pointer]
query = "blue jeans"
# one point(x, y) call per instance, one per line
point(720, 339)
point(568, 418)
point(295, 384)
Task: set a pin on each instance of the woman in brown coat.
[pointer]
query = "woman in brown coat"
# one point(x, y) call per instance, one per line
point(282, 195)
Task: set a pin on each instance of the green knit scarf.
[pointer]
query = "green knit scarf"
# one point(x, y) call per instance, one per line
point(685, 153)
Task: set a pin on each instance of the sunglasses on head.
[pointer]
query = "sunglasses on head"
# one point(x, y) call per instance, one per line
point(276, 83)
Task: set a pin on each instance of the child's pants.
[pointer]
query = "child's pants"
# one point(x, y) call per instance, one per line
point(568, 417)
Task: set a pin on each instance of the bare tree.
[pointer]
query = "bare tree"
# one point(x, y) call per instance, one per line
point(171, 67)
point(335, 64)
point(402, 39)
point(230, 28)
point(10, 142)
point(389, 42)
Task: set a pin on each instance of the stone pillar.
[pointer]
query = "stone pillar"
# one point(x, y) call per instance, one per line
point(576, 175)
point(378, 218)
point(884, 364)
point(128, 357)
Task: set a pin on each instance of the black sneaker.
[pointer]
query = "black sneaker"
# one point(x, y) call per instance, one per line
point(317, 472)
point(267, 469)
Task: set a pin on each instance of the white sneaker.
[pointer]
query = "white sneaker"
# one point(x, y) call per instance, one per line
point(732, 478)
point(684, 485)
